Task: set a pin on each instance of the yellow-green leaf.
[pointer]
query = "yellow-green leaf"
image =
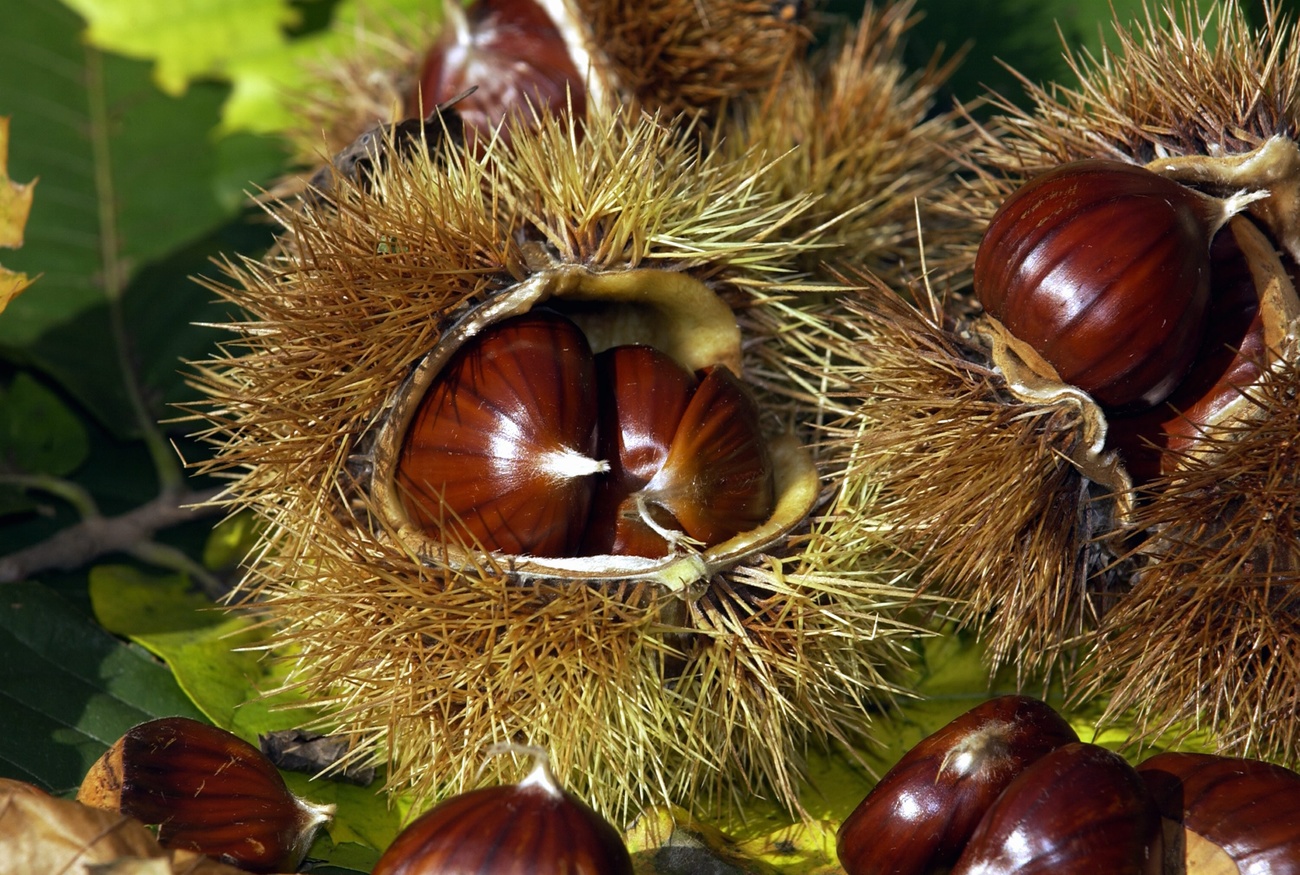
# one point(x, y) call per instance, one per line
point(187, 38)
point(241, 41)
point(15, 205)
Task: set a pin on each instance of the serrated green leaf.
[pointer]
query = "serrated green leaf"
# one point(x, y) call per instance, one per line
point(200, 643)
point(68, 689)
point(38, 433)
point(208, 650)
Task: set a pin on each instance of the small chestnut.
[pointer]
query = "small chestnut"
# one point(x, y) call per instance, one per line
point(1245, 809)
point(1078, 810)
point(511, 58)
point(208, 791)
point(922, 813)
point(530, 828)
point(502, 449)
point(1103, 269)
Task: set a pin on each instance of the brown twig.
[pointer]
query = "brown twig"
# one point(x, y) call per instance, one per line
point(95, 536)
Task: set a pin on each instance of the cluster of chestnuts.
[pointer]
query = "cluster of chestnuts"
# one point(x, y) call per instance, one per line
point(549, 412)
point(528, 443)
point(1009, 789)
point(1095, 452)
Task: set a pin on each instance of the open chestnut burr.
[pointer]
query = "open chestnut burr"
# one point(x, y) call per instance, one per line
point(647, 555)
point(1110, 487)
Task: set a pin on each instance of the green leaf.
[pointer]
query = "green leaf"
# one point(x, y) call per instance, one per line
point(188, 39)
point(68, 689)
point(38, 433)
point(201, 643)
point(230, 541)
point(244, 42)
point(133, 191)
point(208, 649)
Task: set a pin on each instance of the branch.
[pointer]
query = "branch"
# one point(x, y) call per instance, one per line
point(97, 536)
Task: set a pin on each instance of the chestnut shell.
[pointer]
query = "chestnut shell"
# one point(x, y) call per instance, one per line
point(924, 810)
point(516, 829)
point(512, 56)
point(208, 791)
point(480, 457)
point(1078, 810)
point(1103, 268)
point(1249, 808)
point(642, 395)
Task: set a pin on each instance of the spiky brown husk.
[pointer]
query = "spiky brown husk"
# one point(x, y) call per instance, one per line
point(686, 56)
point(1207, 634)
point(640, 695)
point(1210, 635)
point(856, 127)
point(968, 485)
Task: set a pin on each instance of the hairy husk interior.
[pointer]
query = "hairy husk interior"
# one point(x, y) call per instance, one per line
point(1180, 602)
point(643, 693)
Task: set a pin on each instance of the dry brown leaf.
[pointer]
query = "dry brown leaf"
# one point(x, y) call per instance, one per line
point(40, 833)
point(15, 205)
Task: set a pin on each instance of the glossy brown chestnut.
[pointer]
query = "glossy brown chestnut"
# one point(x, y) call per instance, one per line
point(1103, 268)
point(1231, 358)
point(530, 828)
point(642, 395)
point(501, 453)
point(511, 54)
point(922, 813)
point(717, 479)
point(208, 791)
point(1247, 808)
point(1078, 810)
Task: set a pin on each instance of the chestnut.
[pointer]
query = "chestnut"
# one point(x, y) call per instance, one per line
point(1246, 809)
point(1078, 809)
point(717, 478)
point(511, 59)
point(208, 791)
point(501, 454)
point(531, 828)
point(643, 395)
point(924, 810)
point(1232, 357)
point(1103, 269)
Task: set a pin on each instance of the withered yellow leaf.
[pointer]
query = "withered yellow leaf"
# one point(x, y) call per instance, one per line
point(40, 833)
point(15, 205)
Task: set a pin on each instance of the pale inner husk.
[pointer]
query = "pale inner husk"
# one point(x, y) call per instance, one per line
point(668, 310)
